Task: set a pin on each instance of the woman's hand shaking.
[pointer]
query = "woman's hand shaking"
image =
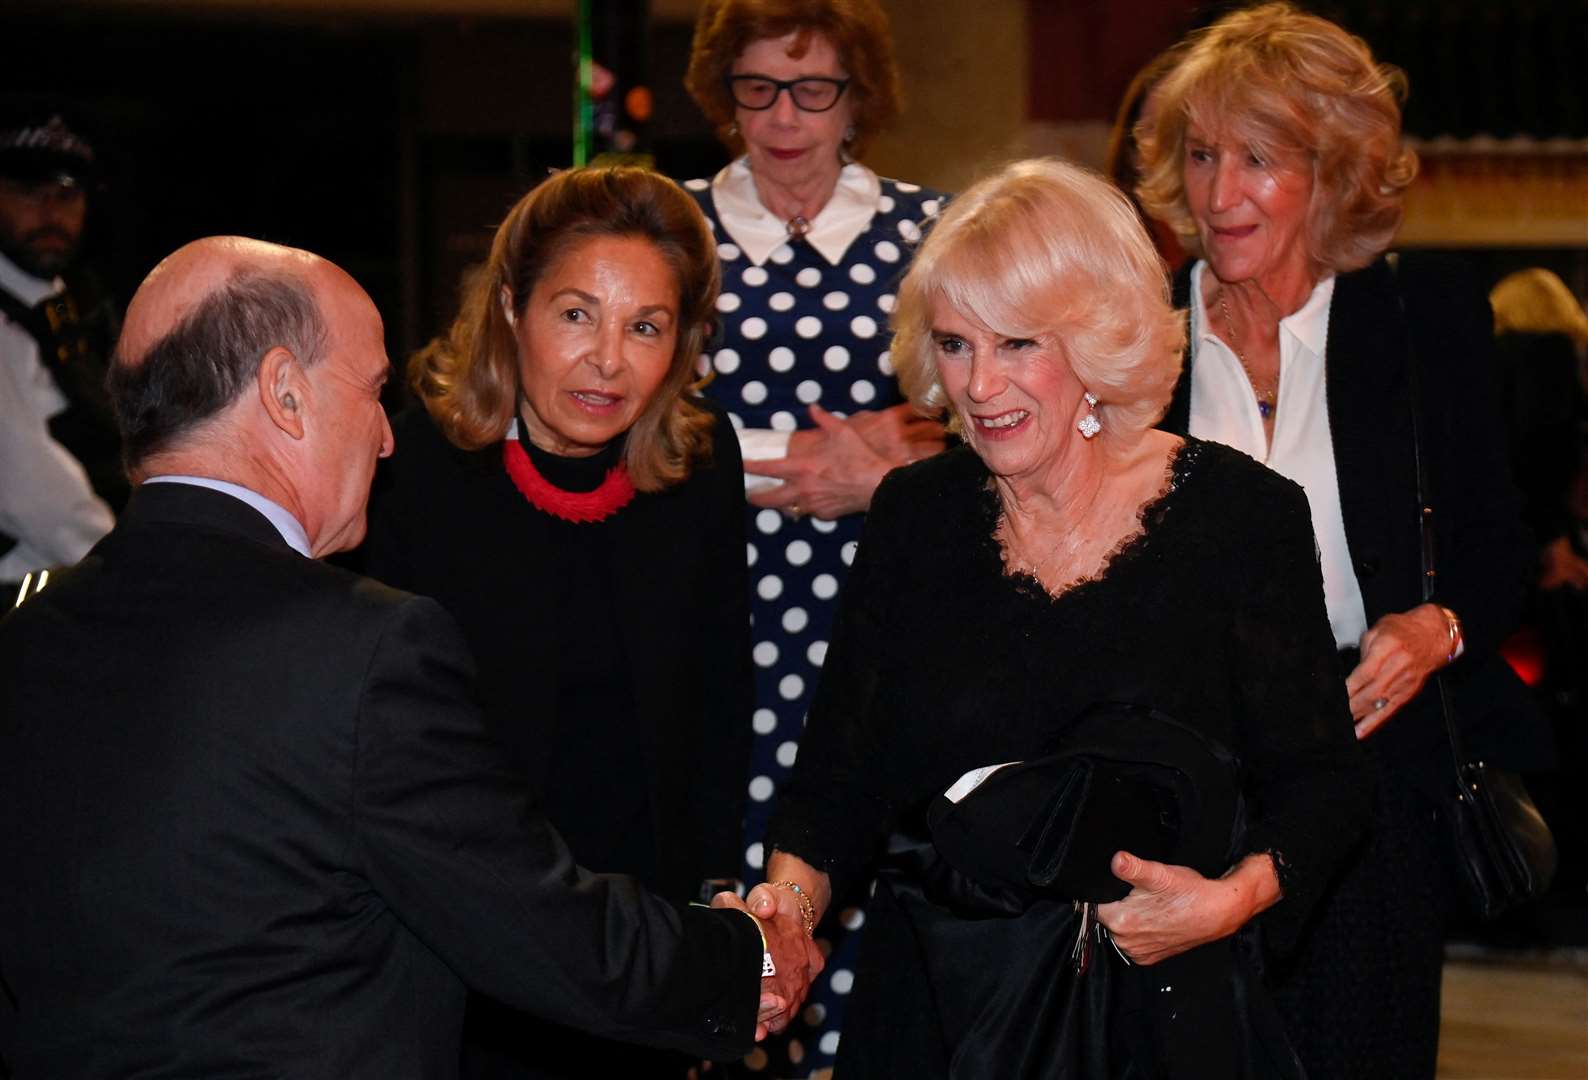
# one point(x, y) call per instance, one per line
point(794, 955)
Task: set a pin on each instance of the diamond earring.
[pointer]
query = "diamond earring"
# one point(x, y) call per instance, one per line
point(1089, 425)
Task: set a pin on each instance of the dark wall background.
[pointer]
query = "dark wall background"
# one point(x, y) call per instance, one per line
point(392, 147)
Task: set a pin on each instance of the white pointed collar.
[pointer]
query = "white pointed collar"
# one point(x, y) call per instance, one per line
point(758, 232)
point(24, 286)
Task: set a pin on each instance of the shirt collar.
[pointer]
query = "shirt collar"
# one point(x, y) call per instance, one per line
point(24, 286)
point(1308, 324)
point(759, 233)
point(290, 528)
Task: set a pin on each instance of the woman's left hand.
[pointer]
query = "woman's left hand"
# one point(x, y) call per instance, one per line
point(1399, 652)
point(1174, 908)
point(830, 471)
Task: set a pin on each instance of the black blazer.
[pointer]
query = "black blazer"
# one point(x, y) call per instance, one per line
point(1483, 550)
point(449, 524)
point(252, 824)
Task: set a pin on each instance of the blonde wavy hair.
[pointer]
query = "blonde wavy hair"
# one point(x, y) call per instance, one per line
point(468, 378)
point(1281, 80)
point(1043, 247)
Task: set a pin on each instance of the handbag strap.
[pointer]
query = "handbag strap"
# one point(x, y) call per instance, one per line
point(1425, 512)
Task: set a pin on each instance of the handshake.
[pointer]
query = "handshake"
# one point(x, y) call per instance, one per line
point(787, 921)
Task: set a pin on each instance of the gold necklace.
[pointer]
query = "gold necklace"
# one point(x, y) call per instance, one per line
point(1265, 401)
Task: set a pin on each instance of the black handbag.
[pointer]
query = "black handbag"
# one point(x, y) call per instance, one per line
point(1501, 847)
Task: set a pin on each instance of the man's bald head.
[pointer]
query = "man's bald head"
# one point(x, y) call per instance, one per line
point(198, 327)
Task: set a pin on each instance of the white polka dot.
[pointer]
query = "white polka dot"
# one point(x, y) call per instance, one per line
point(769, 587)
point(885, 362)
point(887, 302)
point(908, 189)
point(753, 328)
point(810, 277)
point(852, 918)
point(829, 1043)
point(808, 326)
point(824, 526)
point(887, 251)
point(780, 301)
point(728, 252)
point(862, 391)
point(783, 420)
point(786, 752)
point(909, 230)
point(754, 276)
point(768, 521)
point(814, 1014)
point(736, 420)
point(764, 653)
point(780, 359)
point(886, 204)
point(835, 301)
point(836, 358)
point(756, 1060)
point(930, 207)
point(798, 552)
point(809, 391)
point(825, 586)
point(750, 554)
point(761, 788)
point(790, 687)
point(796, 1051)
point(754, 392)
point(816, 653)
point(726, 361)
point(697, 184)
point(795, 620)
point(863, 326)
point(728, 302)
point(843, 979)
point(861, 274)
point(847, 552)
point(764, 721)
point(782, 254)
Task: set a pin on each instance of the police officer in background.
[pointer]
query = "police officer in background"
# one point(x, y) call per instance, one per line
point(60, 468)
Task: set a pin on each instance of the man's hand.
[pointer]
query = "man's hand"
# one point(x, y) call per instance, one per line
point(795, 957)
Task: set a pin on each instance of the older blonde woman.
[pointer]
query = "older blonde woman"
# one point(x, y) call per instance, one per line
point(1066, 555)
point(1274, 150)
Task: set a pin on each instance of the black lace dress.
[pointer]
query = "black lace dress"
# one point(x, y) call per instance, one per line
point(942, 663)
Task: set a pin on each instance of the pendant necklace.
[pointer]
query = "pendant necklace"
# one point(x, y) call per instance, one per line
point(1265, 400)
point(797, 226)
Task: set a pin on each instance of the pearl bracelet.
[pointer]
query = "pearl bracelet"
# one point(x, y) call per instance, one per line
point(807, 909)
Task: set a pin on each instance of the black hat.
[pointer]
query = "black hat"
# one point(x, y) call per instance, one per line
point(39, 146)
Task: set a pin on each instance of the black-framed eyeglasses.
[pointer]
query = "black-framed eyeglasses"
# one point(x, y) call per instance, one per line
point(814, 93)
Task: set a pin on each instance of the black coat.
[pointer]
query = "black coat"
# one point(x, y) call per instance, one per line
point(449, 524)
point(1482, 547)
point(252, 824)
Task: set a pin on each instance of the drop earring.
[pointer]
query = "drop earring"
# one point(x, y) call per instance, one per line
point(849, 134)
point(1089, 425)
point(733, 131)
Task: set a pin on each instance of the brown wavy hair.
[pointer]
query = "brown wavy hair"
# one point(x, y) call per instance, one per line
point(1284, 80)
point(857, 29)
point(468, 378)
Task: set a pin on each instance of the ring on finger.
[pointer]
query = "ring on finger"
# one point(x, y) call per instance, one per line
point(1380, 703)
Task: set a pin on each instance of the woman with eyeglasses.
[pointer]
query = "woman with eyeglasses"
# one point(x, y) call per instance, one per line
point(812, 245)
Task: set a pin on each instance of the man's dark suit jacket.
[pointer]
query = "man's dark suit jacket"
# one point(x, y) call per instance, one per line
point(1482, 551)
point(251, 825)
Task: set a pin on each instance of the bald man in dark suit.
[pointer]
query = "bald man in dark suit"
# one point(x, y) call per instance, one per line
point(264, 832)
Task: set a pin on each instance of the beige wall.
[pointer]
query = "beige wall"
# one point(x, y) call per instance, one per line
point(965, 85)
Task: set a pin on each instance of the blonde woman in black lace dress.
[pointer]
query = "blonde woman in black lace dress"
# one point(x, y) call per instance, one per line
point(1067, 558)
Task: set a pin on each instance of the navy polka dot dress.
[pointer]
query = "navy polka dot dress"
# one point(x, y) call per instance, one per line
point(798, 331)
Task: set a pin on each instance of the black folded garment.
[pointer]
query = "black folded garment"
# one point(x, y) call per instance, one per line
point(1120, 777)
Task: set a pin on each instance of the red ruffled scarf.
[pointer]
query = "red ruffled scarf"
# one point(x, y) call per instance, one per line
point(615, 492)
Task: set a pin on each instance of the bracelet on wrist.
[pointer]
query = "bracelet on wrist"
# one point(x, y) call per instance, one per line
point(1458, 643)
point(807, 908)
